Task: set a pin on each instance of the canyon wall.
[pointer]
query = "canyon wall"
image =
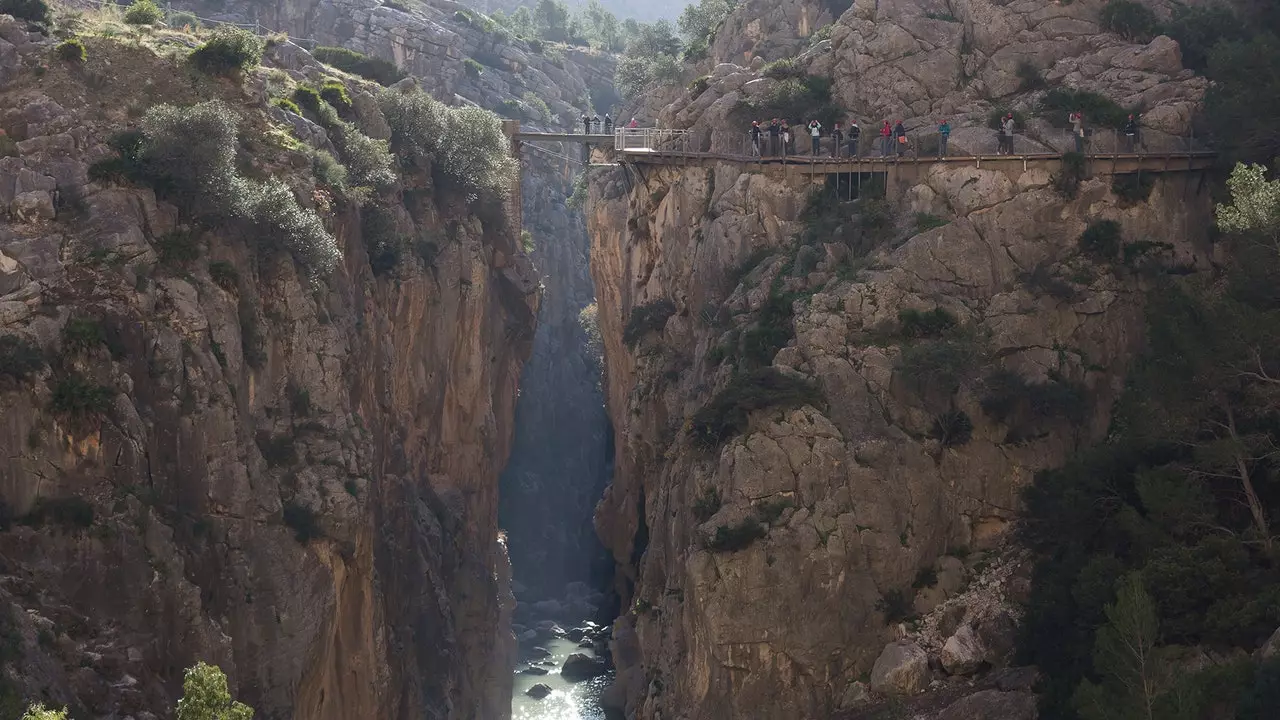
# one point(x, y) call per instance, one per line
point(222, 458)
point(827, 401)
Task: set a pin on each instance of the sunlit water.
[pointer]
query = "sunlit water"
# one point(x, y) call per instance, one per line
point(567, 701)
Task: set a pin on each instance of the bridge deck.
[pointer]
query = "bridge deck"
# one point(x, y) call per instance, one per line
point(1127, 161)
point(594, 139)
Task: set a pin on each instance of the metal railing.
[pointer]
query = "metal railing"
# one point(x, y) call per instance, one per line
point(1052, 142)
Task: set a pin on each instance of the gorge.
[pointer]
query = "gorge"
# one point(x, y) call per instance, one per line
point(293, 387)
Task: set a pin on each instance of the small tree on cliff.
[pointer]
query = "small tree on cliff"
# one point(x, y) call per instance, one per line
point(37, 712)
point(1126, 656)
point(205, 696)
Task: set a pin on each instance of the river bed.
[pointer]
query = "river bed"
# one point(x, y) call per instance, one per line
point(567, 701)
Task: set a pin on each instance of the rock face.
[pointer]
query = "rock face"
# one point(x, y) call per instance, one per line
point(293, 479)
point(826, 511)
point(901, 669)
point(582, 667)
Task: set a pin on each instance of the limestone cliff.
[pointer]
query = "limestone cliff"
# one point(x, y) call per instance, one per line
point(825, 408)
point(221, 458)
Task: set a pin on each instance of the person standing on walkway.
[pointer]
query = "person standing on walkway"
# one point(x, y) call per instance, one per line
point(608, 124)
point(755, 138)
point(633, 124)
point(855, 134)
point(944, 133)
point(837, 139)
point(775, 130)
point(1131, 135)
point(815, 134)
point(1006, 133)
point(787, 149)
point(900, 137)
point(586, 124)
point(595, 123)
point(886, 139)
point(1077, 129)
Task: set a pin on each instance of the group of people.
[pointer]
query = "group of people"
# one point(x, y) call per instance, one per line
point(777, 139)
point(596, 125)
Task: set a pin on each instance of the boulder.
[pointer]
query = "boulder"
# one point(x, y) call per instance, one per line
point(992, 705)
point(576, 634)
point(1018, 678)
point(534, 670)
point(538, 691)
point(578, 667)
point(537, 652)
point(901, 669)
point(855, 695)
point(547, 608)
point(963, 653)
point(614, 697)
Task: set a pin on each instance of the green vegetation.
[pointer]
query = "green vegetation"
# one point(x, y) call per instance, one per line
point(77, 396)
point(1243, 104)
point(1010, 398)
point(72, 51)
point(1199, 29)
point(38, 712)
point(796, 99)
point(1102, 240)
point(19, 357)
point(650, 58)
point(206, 696)
point(896, 606)
point(252, 343)
point(647, 318)
point(82, 334)
point(304, 522)
point(1068, 178)
point(188, 154)
point(1159, 542)
point(473, 68)
point(728, 413)
point(72, 513)
point(33, 11)
point(369, 68)
point(739, 536)
point(915, 325)
point(1131, 20)
point(178, 247)
point(224, 275)
point(935, 369)
point(952, 428)
point(143, 12)
point(335, 93)
point(1030, 77)
point(1099, 111)
point(183, 19)
point(927, 221)
point(384, 242)
point(229, 51)
point(1133, 188)
point(329, 171)
point(925, 577)
point(464, 146)
point(277, 450)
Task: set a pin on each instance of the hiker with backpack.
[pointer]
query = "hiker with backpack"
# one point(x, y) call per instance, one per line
point(900, 137)
point(815, 134)
point(855, 134)
point(755, 138)
point(886, 139)
point(1077, 129)
point(837, 139)
point(944, 133)
point(1131, 135)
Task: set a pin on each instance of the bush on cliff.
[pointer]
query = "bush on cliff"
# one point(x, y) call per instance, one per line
point(19, 357)
point(729, 412)
point(370, 68)
point(1131, 20)
point(72, 51)
point(143, 12)
point(33, 11)
point(647, 318)
point(229, 51)
point(464, 146)
point(207, 696)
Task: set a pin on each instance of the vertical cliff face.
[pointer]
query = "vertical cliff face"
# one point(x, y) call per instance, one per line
point(768, 542)
point(220, 458)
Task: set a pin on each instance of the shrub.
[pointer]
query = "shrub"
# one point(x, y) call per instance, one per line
point(308, 98)
point(277, 450)
point(925, 577)
point(368, 161)
point(1102, 240)
point(178, 247)
point(19, 357)
point(228, 51)
point(784, 69)
point(1009, 398)
point(370, 68)
point(731, 538)
point(82, 334)
point(1072, 171)
point(927, 221)
point(381, 238)
point(287, 104)
point(796, 99)
point(1100, 111)
point(335, 93)
point(929, 324)
point(1030, 76)
point(224, 275)
point(183, 19)
point(935, 369)
point(299, 400)
point(78, 396)
point(143, 12)
point(303, 521)
point(34, 11)
point(1133, 188)
point(71, 51)
point(473, 68)
point(1199, 29)
point(895, 605)
point(953, 428)
point(274, 209)
point(707, 504)
point(647, 318)
point(699, 86)
point(328, 170)
point(1131, 20)
point(728, 413)
point(205, 696)
point(464, 146)
point(71, 512)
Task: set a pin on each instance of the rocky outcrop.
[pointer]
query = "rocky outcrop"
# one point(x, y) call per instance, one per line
point(222, 459)
point(771, 29)
point(826, 511)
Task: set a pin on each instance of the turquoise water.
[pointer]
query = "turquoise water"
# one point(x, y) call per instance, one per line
point(567, 701)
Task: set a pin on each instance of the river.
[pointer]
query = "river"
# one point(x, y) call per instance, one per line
point(567, 701)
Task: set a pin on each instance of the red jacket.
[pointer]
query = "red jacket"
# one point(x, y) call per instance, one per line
point(886, 131)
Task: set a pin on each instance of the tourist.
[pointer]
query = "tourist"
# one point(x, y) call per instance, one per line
point(755, 138)
point(586, 124)
point(1131, 135)
point(900, 137)
point(633, 124)
point(886, 139)
point(837, 139)
point(1077, 129)
point(815, 133)
point(774, 131)
point(786, 139)
point(855, 133)
point(944, 134)
point(595, 123)
point(1006, 133)
point(608, 124)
